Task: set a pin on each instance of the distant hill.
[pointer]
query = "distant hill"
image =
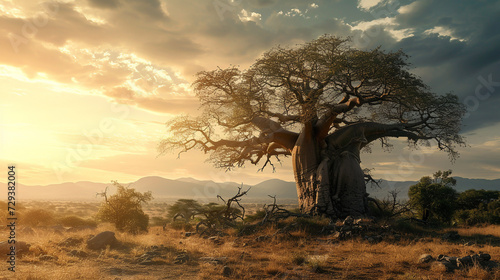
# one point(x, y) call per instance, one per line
point(163, 188)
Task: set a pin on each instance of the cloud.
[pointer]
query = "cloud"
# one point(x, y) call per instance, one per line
point(247, 16)
point(146, 53)
point(105, 4)
point(368, 4)
point(153, 103)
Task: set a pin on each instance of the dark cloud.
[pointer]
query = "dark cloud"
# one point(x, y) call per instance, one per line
point(106, 4)
point(190, 36)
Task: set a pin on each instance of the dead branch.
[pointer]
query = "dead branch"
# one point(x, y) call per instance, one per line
point(275, 213)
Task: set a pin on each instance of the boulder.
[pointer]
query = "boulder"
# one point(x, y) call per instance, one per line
point(443, 266)
point(102, 240)
point(425, 258)
point(465, 261)
point(484, 257)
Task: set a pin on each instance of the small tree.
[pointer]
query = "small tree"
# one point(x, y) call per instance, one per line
point(434, 197)
point(124, 209)
point(185, 208)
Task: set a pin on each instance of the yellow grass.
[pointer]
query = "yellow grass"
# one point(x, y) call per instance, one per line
point(293, 255)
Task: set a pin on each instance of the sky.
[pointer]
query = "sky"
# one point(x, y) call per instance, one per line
point(87, 86)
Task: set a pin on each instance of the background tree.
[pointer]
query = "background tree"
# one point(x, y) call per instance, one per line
point(434, 198)
point(471, 199)
point(320, 102)
point(184, 208)
point(478, 207)
point(124, 209)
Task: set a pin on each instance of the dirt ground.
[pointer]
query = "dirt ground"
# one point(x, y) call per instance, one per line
point(269, 253)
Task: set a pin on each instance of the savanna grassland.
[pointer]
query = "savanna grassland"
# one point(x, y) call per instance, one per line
point(290, 249)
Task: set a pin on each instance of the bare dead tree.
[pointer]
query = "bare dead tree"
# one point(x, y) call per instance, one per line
point(228, 214)
point(275, 213)
point(391, 205)
point(217, 218)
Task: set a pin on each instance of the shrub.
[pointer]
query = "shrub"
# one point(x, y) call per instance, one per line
point(434, 199)
point(483, 214)
point(75, 221)
point(184, 208)
point(124, 209)
point(37, 217)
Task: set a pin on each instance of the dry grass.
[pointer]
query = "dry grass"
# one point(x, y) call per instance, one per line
point(265, 254)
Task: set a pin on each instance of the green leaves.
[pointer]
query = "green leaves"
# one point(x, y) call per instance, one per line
point(124, 209)
point(434, 198)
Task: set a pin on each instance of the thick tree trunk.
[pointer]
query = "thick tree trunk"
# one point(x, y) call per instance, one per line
point(328, 175)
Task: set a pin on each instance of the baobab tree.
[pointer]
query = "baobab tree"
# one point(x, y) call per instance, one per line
point(320, 103)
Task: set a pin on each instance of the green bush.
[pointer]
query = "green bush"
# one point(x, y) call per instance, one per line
point(434, 198)
point(483, 214)
point(124, 209)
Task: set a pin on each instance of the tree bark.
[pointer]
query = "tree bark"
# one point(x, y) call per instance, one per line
point(328, 173)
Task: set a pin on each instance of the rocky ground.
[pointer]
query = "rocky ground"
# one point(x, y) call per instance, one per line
point(296, 249)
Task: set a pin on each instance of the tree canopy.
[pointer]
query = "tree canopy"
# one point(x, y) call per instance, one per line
point(124, 209)
point(325, 86)
point(435, 198)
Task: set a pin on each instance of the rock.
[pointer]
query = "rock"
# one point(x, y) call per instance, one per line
point(102, 240)
point(475, 258)
point(21, 248)
point(443, 266)
point(188, 234)
point(470, 243)
point(227, 271)
point(464, 261)
point(78, 253)
point(484, 257)
point(47, 258)
point(425, 258)
point(451, 260)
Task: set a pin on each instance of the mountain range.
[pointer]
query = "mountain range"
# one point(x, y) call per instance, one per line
point(190, 188)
